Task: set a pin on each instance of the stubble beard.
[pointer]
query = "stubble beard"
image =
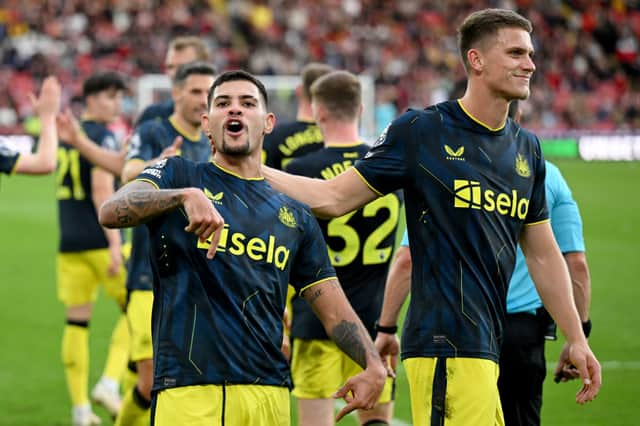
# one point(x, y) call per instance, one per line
point(235, 151)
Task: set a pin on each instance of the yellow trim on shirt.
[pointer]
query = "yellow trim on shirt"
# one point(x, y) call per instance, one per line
point(538, 222)
point(493, 129)
point(346, 145)
point(235, 174)
point(302, 290)
point(146, 180)
point(191, 138)
point(380, 194)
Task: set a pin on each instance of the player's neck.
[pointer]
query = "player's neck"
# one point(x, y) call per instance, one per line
point(88, 115)
point(485, 107)
point(186, 128)
point(246, 167)
point(339, 133)
point(304, 112)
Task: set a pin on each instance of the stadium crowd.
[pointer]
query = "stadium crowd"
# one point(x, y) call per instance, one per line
point(587, 52)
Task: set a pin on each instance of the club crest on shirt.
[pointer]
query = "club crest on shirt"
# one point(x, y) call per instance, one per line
point(286, 217)
point(522, 166)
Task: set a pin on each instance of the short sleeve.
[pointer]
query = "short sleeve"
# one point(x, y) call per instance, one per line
point(566, 221)
point(311, 265)
point(385, 167)
point(165, 174)
point(538, 211)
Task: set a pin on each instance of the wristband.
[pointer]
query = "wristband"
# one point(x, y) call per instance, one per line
point(586, 328)
point(390, 329)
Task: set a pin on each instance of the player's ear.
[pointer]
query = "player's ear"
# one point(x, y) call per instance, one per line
point(269, 123)
point(204, 123)
point(475, 59)
point(176, 92)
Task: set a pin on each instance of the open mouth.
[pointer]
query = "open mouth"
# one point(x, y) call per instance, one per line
point(234, 126)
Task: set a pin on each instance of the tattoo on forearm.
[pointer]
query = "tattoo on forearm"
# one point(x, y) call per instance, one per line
point(136, 206)
point(346, 335)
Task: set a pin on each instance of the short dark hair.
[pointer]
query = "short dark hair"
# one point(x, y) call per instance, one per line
point(99, 82)
point(191, 68)
point(310, 73)
point(340, 93)
point(483, 23)
point(235, 75)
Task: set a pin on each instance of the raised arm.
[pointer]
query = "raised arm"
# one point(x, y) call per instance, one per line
point(71, 132)
point(327, 198)
point(43, 161)
point(345, 328)
point(139, 201)
point(550, 275)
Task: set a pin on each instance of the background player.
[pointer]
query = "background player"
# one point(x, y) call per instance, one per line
point(302, 136)
point(360, 246)
point(461, 163)
point(182, 50)
point(43, 160)
point(230, 364)
point(88, 254)
point(154, 140)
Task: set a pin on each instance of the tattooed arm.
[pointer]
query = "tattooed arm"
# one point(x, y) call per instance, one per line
point(345, 328)
point(139, 201)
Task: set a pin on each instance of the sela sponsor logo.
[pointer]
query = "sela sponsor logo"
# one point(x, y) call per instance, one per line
point(454, 155)
point(255, 248)
point(470, 195)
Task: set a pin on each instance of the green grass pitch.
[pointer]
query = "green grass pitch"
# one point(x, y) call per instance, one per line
point(32, 386)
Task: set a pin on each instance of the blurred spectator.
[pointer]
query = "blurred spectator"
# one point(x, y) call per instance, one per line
point(588, 53)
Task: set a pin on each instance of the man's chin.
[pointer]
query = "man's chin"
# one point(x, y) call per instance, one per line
point(239, 150)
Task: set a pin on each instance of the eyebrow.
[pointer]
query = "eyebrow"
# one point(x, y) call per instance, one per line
point(242, 97)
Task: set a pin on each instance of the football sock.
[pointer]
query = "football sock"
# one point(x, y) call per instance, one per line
point(75, 359)
point(135, 409)
point(376, 422)
point(118, 355)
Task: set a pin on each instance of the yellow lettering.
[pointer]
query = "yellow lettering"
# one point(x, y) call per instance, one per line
point(327, 174)
point(272, 243)
point(503, 203)
point(224, 234)
point(238, 245)
point(469, 194)
point(281, 257)
point(523, 208)
point(514, 202)
point(489, 198)
point(255, 248)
